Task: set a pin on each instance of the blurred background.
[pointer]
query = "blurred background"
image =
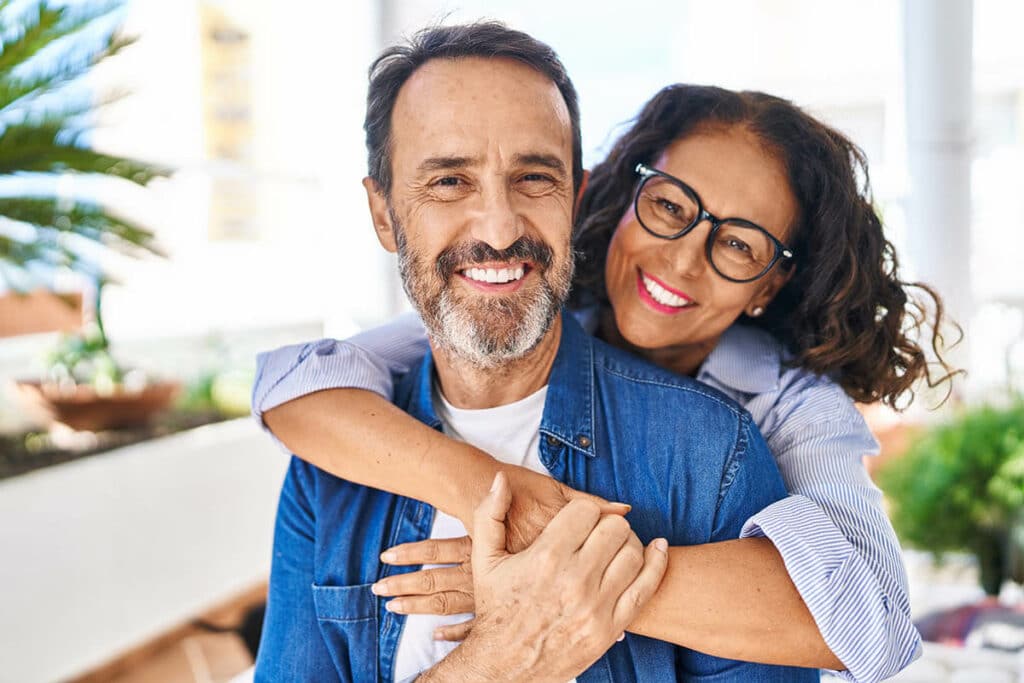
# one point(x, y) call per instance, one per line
point(173, 204)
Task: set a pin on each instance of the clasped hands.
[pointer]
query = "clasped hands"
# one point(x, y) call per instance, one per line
point(559, 568)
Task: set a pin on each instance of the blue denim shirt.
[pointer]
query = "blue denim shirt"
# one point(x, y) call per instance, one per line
point(687, 458)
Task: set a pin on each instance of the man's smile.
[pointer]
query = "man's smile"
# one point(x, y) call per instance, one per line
point(496, 277)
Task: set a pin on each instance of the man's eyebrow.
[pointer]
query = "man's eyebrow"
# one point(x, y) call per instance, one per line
point(446, 163)
point(538, 159)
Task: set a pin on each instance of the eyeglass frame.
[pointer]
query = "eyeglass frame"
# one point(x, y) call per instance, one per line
point(782, 252)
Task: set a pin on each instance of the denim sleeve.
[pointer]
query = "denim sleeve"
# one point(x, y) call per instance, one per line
point(370, 360)
point(291, 647)
point(750, 482)
point(837, 542)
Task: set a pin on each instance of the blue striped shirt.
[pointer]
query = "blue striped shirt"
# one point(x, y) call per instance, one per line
point(837, 544)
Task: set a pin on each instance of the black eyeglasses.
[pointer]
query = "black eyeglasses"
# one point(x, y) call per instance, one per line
point(738, 250)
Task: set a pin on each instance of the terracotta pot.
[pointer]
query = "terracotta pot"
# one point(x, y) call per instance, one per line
point(82, 409)
point(39, 311)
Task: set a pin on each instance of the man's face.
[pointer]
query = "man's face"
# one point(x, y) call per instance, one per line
point(480, 210)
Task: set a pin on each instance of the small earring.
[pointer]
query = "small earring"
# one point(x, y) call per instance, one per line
point(756, 312)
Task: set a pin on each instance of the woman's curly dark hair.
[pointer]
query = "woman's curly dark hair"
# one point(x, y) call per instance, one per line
point(845, 312)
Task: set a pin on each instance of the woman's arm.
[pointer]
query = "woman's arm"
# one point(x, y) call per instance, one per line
point(833, 534)
point(355, 433)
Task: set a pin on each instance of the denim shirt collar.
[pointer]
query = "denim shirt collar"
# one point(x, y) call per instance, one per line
point(569, 408)
point(746, 359)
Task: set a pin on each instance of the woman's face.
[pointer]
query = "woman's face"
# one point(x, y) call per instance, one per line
point(735, 177)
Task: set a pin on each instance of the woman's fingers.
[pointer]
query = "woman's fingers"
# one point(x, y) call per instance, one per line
point(607, 507)
point(448, 602)
point(427, 581)
point(455, 632)
point(430, 551)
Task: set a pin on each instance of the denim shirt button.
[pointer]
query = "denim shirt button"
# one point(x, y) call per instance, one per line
point(552, 440)
point(583, 441)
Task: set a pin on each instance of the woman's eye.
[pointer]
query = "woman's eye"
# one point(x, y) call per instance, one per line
point(738, 245)
point(667, 206)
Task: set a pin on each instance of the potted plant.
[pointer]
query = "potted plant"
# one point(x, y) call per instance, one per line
point(45, 49)
point(960, 487)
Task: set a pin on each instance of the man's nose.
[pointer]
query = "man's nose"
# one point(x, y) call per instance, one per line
point(498, 223)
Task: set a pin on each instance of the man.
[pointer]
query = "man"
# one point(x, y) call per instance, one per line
point(474, 145)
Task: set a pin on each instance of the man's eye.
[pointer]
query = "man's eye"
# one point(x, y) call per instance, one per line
point(537, 177)
point(448, 181)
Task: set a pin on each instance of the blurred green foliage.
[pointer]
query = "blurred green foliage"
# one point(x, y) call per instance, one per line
point(960, 487)
point(224, 392)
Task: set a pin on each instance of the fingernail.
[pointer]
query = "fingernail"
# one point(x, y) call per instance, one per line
point(378, 588)
point(388, 556)
point(622, 637)
point(438, 635)
point(394, 606)
point(661, 544)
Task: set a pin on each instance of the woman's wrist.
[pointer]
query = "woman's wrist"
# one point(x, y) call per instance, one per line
point(470, 472)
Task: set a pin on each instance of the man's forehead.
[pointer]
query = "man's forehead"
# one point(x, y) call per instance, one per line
point(477, 107)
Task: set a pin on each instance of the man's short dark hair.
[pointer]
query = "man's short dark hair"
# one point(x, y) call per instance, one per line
point(395, 65)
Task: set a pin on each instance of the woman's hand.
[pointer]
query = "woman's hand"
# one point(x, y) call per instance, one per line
point(444, 590)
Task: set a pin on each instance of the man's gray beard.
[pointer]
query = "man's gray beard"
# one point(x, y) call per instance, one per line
point(469, 332)
point(475, 341)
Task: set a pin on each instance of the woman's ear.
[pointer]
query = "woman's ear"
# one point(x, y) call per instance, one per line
point(380, 214)
point(772, 285)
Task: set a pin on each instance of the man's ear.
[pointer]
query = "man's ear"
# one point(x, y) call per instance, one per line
point(380, 214)
point(579, 193)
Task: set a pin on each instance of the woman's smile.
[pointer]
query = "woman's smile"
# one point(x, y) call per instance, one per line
point(660, 297)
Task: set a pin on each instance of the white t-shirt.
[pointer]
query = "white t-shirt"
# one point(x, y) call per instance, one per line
point(511, 433)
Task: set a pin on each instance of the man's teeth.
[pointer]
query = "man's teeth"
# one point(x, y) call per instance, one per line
point(494, 275)
point(662, 295)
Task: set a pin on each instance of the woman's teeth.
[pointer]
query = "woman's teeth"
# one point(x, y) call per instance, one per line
point(662, 295)
point(497, 276)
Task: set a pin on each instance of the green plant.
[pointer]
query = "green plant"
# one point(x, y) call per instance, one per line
point(45, 48)
point(960, 487)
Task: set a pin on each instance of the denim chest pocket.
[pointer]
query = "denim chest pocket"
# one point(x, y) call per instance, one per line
point(347, 616)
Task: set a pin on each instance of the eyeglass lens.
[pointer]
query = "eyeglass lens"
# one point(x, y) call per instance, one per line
point(738, 251)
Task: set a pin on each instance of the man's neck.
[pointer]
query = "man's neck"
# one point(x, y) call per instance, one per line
point(469, 386)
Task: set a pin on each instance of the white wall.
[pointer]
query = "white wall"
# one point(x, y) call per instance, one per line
point(102, 553)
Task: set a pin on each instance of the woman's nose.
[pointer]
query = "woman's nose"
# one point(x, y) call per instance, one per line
point(685, 255)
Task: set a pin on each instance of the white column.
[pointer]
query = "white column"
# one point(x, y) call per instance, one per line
point(938, 64)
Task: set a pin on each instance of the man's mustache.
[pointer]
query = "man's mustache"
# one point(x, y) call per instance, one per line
point(464, 255)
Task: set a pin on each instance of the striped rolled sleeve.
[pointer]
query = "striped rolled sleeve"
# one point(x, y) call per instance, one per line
point(370, 360)
point(832, 532)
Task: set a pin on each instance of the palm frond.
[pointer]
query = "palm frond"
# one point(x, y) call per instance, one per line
point(41, 147)
point(43, 126)
point(53, 217)
point(39, 27)
point(18, 93)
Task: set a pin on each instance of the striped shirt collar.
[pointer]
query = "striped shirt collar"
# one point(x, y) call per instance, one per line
point(746, 359)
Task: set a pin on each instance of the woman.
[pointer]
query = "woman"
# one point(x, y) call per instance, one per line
point(724, 237)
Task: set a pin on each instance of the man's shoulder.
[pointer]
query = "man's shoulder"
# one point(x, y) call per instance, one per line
point(628, 370)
